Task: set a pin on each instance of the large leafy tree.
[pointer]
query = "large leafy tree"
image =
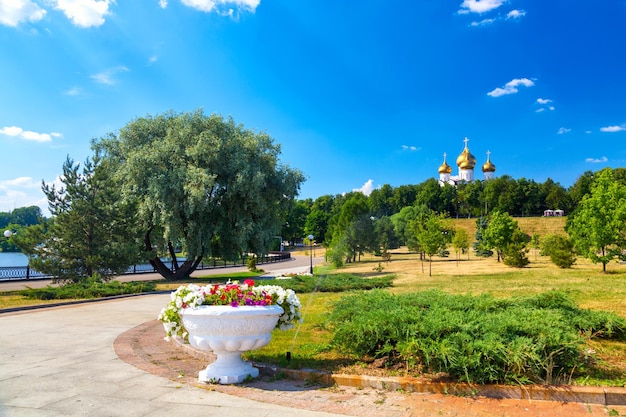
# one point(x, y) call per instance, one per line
point(91, 231)
point(318, 217)
point(598, 226)
point(201, 182)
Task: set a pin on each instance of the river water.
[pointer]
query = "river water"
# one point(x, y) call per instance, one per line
point(13, 259)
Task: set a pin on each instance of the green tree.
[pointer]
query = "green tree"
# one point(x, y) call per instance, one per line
point(206, 183)
point(295, 222)
point(560, 249)
point(514, 254)
point(598, 226)
point(385, 235)
point(499, 232)
point(479, 244)
point(91, 233)
point(433, 236)
point(380, 201)
point(402, 225)
point(360, 237)
point(316, 223)
point(461, 242)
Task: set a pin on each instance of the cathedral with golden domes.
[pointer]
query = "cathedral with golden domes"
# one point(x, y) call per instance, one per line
point(466, 163)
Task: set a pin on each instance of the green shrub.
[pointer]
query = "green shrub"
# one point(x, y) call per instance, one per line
point(477, 339)
point(91, 288)
point(515, 255)
point(332, 283)
point(560, 249)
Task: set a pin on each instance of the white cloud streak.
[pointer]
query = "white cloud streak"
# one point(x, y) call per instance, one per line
point(84, 13)
point(511, 87)
point(613, 129)
point(410, 148)
point(563, 130)
point(480, 6)
point(483, 22)
point(221, 6)
point(597, 160)
point(18, 132)
point(515, 14)
point(15, 12)
point(106, 77)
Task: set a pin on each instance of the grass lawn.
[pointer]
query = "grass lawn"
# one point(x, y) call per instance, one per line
point(585, 283)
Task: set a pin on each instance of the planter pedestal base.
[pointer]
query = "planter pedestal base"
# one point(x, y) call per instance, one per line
point(228, 332)
point(229, 368)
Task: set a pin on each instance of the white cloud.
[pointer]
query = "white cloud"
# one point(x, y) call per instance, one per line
point(483, 22)
point(22, 192)
point(515, 14)
point(480, 6)
point(511, 87)
point(222, 6)
point(20, 133)
point(153, 59)
point(542, 103)
point(563, 130)
point(14, 12)
point(106, 77)
point(74, 91)
point(612, 129)
point(597, 160)
point(367, 188)
point(85, 13)
point(410, 148)
point(163, 4)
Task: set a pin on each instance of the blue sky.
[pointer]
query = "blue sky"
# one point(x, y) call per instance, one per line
point(358, 94)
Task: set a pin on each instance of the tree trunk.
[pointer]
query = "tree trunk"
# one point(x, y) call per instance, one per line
point(430, 266)
point(179, 273)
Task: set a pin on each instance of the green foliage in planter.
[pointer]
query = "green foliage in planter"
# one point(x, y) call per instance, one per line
point(332, 283)
point(93, 288)
point(477, 339)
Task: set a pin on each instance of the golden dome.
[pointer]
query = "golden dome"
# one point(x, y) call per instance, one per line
point(466, 160)
point(445, 168)
point(488, 166)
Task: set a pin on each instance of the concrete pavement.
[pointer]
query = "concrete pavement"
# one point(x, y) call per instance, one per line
point(61, 362)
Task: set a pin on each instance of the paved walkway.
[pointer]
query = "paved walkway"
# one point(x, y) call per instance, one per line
point(61, 362)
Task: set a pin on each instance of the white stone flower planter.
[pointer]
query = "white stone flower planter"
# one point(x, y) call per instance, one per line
point(228, 332)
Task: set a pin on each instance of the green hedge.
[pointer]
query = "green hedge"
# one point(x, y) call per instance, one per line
point(477, 339)
point(331, 283)
point(88, 289)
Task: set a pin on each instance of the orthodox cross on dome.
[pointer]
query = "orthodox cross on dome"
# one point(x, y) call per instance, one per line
point(466, 140)
point(488, 154)
point(444, 156)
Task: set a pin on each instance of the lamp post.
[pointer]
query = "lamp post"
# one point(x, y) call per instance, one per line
point(311, 251)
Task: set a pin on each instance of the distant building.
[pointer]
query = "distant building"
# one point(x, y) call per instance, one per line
point(466, 162)
point(550, 213)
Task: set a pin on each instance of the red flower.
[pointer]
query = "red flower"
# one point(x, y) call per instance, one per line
point(249, 282)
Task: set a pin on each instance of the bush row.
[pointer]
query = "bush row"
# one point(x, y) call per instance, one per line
point(88, 289)
point(332, 283)
point(476, 339)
